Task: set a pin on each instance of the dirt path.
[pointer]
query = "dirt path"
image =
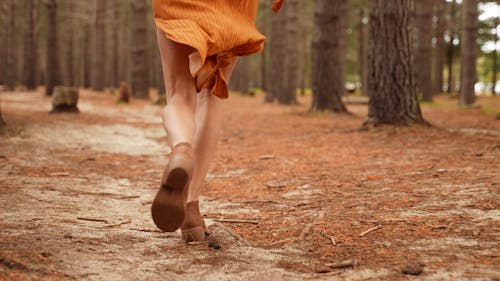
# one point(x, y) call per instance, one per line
point(75, 192)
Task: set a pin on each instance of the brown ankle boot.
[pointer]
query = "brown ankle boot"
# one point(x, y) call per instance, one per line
point(193, 228)
point(168, 206)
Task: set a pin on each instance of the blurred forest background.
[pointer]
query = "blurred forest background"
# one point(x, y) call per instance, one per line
point(313, 46)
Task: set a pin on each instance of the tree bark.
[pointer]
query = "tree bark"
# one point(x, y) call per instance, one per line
point(468, 55)
point(240, 78)
point(11, 45)
point(30, 49)
point(363, 51)
point(494, 54)
point(139, 49)
point(70, 51)
point(116, 51)
point(288, 95)
point(440, 50)
point(451, 47)
point(99, 54)
point(424, 48)
point(392, 87)
point(86, 56)
point(328, 82)
point(277, 56)
point(52, 65)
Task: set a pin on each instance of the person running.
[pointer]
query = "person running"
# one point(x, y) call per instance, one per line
point(199, 44)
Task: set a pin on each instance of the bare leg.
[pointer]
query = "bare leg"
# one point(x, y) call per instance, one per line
point(208, 125)
point(178, 115)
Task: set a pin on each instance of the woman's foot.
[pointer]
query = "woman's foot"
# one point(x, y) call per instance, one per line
point(193, 227)
point(168, 206)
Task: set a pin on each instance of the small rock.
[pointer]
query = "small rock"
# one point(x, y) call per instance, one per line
point(65, 99)
point(266, 157)
point(45, 254)
point(68, 236)
point(413, 268)
point(213, 244)
point(275, 184)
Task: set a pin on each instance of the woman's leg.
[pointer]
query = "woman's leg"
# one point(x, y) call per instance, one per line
point(179, 114)
point(208, 125)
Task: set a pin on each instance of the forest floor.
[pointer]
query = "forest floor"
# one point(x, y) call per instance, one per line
point(316, 192)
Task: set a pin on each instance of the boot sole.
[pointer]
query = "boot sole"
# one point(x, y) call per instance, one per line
point(168, 206)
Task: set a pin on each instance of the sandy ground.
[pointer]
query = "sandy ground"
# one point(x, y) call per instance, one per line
point(312, 190)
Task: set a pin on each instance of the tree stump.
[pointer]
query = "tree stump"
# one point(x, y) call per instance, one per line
point(65, 99)
point(123, 93)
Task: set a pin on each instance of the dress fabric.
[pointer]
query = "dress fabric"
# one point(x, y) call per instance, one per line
point(217, 30)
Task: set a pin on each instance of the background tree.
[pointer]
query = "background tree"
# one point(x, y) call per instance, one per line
point(11, 45)
point(468, 54)
point(424, 9)
point(327, 57)
point(70, 52)
point(99, 52)
point(391, 83)
point(277, 56)
point(450, 53)
point(30, 48)
point(139, 49)
point(440, 49)
point(288, 96)
point(52, 66)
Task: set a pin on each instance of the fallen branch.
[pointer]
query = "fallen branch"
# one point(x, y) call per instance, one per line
point(119, 224)
point(92, 219)
point(370, 230)
point(146, 230)
point(237, 221)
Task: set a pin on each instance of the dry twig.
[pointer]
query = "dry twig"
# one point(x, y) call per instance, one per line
point(343, 264)
point(370, 230)
point(92, 219)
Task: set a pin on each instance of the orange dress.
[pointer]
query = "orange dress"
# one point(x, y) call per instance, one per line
point(217, 29)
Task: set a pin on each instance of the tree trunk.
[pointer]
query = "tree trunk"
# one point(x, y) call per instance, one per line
point(494, 54)
point(116, 51)
point(468, 54)
point(30, 49)
point(99, 54)
point(327, 57)
point(424, 48)
point(277, 56)
point(11, 45)
point(70, 53)
point(288, 95)
point(86, 56)
point(2, 122)
point(52, 66)
point(139, 49)
point(363, 51)
point(451, 46)
point(392, 87)
point(239, 79)
point(440, 46)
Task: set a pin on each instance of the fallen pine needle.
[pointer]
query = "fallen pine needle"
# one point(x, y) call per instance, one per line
point(370, 230)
